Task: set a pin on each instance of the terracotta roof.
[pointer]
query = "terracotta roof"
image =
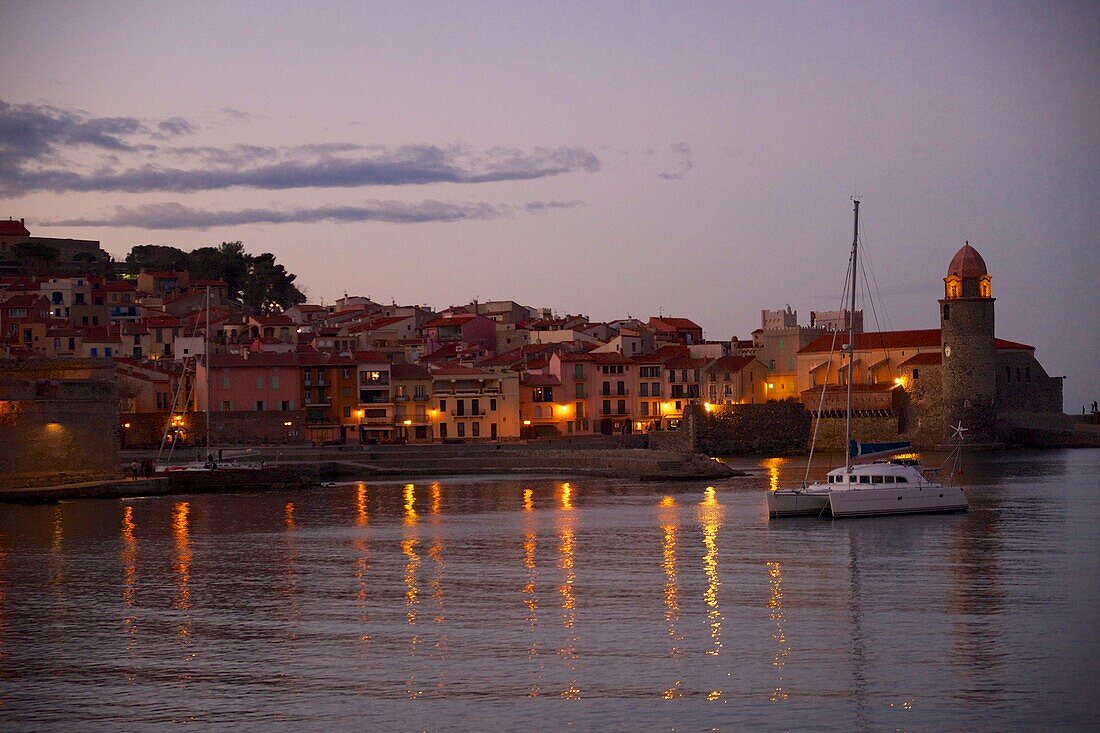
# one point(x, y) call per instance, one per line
point(409, 372)
point(539, 380)
point(454, 370)
point(928, 358)
point(254, 359)
point(674, 324)
point(856, 388)
point(967, 263)
point(120, 285)
point(370, 357)
point(12, 228)
point(924, 338)
point(731, 363)
point(447, 351)
point(276, 319)
point(27, 300)
point(608, 357)
point(1011, 345)
point(456, 319)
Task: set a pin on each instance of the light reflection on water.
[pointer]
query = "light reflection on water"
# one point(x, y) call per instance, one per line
point(441, 605)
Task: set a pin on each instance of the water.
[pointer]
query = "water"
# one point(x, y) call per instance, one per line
point(541, 605)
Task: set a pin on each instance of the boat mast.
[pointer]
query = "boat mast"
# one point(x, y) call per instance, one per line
point(851, 349)
point(206, 359)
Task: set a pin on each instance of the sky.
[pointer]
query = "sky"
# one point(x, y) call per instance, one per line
point(610, 159)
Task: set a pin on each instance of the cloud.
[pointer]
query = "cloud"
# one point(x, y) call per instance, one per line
point(541, 207)
point(34, 141)
point(178, 216)
point(683, 152)
point(175, 126)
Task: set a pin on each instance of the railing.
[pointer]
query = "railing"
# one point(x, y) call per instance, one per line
point(615, 393)
point(470, 413)
point(614, 413)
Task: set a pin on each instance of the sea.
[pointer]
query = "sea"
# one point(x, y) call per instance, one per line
point(507, 603)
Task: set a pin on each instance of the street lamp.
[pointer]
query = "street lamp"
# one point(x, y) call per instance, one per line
point(287, 424)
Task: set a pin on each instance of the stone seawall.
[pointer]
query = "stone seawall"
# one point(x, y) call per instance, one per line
point(57, 415)
point(776, 427)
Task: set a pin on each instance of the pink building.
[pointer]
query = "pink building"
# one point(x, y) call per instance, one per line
point(471, 334)
point(253, 382)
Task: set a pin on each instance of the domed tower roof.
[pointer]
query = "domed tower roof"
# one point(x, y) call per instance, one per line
point(967, 263)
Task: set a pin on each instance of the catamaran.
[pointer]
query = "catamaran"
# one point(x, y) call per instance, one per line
point(869, 489)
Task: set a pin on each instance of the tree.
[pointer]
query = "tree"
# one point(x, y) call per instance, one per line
point(35, 256)
point(268, 286)
point(157, 257)
point(261, 283)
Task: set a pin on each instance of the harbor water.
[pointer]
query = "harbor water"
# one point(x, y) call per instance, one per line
point(549, 604)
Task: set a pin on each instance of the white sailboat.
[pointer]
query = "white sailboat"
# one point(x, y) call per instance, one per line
point(868, 489)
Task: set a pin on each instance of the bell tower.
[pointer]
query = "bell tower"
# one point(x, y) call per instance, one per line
point(966, 340)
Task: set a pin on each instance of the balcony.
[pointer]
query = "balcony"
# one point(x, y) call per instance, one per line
point(614, 412)
point(376, 421)
point(319, 402)
point(470, 413)
point(614, 393)
point(401, 398)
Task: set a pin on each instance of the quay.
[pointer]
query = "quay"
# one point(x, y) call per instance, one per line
point(301, 467)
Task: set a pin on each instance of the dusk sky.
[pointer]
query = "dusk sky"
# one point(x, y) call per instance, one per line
point(608, 159)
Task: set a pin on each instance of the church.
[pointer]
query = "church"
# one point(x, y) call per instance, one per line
point(916, 384)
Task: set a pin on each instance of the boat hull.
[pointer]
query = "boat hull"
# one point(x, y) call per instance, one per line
point(793, 503)
point(879, 501)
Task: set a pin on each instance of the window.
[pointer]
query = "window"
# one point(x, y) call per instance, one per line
point(620, 387)
point(947, 311)
point(475, 407)
point(579, 409)
point(621, 404)
point(345, 373)
point(475, 430)
point(607, 407)
point(225, 379)
point(443, 405)
point(578, 390)
point(259, 405)
point(420, 392)
point(227, 406)
point(345, 391)
point(542, 394)
point(259, 381)
point(1008, 373)
point(95, 352)
point(460, 407)
point(285, 406)
point(461, 430)
point(578, 371)
point(274, 380)
point(644, 409)
point(493, 403)
point(916, 374)
point(643, 389)
point(347, 410)
point(443, 430)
